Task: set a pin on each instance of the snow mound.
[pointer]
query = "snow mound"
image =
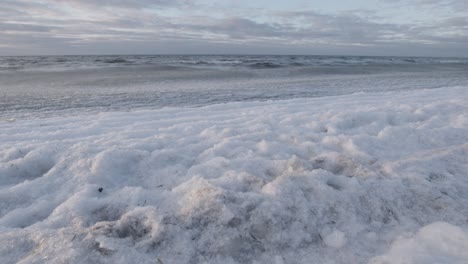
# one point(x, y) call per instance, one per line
point(439, 242)
point(340, 179)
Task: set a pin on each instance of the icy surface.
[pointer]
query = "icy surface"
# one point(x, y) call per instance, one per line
point(362, 178)
point(435, 243)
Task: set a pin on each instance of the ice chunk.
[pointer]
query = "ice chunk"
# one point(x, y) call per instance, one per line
point(336, 239)
point(439, 242)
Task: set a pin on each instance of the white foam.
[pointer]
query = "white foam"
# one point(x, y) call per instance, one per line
point(329, 180)
point(336, 239)
point(438, 242)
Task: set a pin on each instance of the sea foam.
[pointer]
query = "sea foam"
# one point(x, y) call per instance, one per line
point(378, 178)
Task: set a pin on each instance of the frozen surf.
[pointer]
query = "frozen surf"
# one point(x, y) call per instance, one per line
point(361, 178)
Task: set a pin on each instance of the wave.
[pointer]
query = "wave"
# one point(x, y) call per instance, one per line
point(214, 61)
point(117, 60)
point(264, 65)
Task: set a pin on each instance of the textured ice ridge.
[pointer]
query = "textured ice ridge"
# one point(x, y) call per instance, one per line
point(378, 178)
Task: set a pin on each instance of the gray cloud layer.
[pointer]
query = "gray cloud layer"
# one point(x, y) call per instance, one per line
point(182, 26)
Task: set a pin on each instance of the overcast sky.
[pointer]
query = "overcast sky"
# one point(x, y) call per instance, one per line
point(335, 27)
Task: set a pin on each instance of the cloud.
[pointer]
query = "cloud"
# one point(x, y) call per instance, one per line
point(455, 6)
point(75, 26)
point(122, 3)
point(18, 28)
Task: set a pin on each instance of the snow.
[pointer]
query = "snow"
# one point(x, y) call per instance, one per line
point(435, 243)
point(362, 178)
point(336, 239)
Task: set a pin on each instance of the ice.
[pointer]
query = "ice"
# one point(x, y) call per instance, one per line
point(361, 178)
point(336, 239)
point(438, 242)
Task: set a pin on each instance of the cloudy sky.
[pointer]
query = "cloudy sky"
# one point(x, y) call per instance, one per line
point(336, 27)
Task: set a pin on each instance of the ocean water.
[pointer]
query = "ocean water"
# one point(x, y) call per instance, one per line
point(33, 86)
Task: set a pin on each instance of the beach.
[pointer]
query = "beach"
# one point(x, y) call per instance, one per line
point(282, 159)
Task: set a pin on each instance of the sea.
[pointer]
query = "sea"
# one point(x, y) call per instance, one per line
point(37, 86)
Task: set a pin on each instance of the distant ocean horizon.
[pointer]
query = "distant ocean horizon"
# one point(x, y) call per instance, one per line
point(226, 54)
point(57, 84)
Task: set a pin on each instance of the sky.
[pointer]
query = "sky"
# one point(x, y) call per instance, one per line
point(325, 27)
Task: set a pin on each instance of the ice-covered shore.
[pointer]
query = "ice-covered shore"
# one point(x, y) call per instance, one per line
point(363, 178)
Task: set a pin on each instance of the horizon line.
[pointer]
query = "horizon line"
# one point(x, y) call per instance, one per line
point(228, 54)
